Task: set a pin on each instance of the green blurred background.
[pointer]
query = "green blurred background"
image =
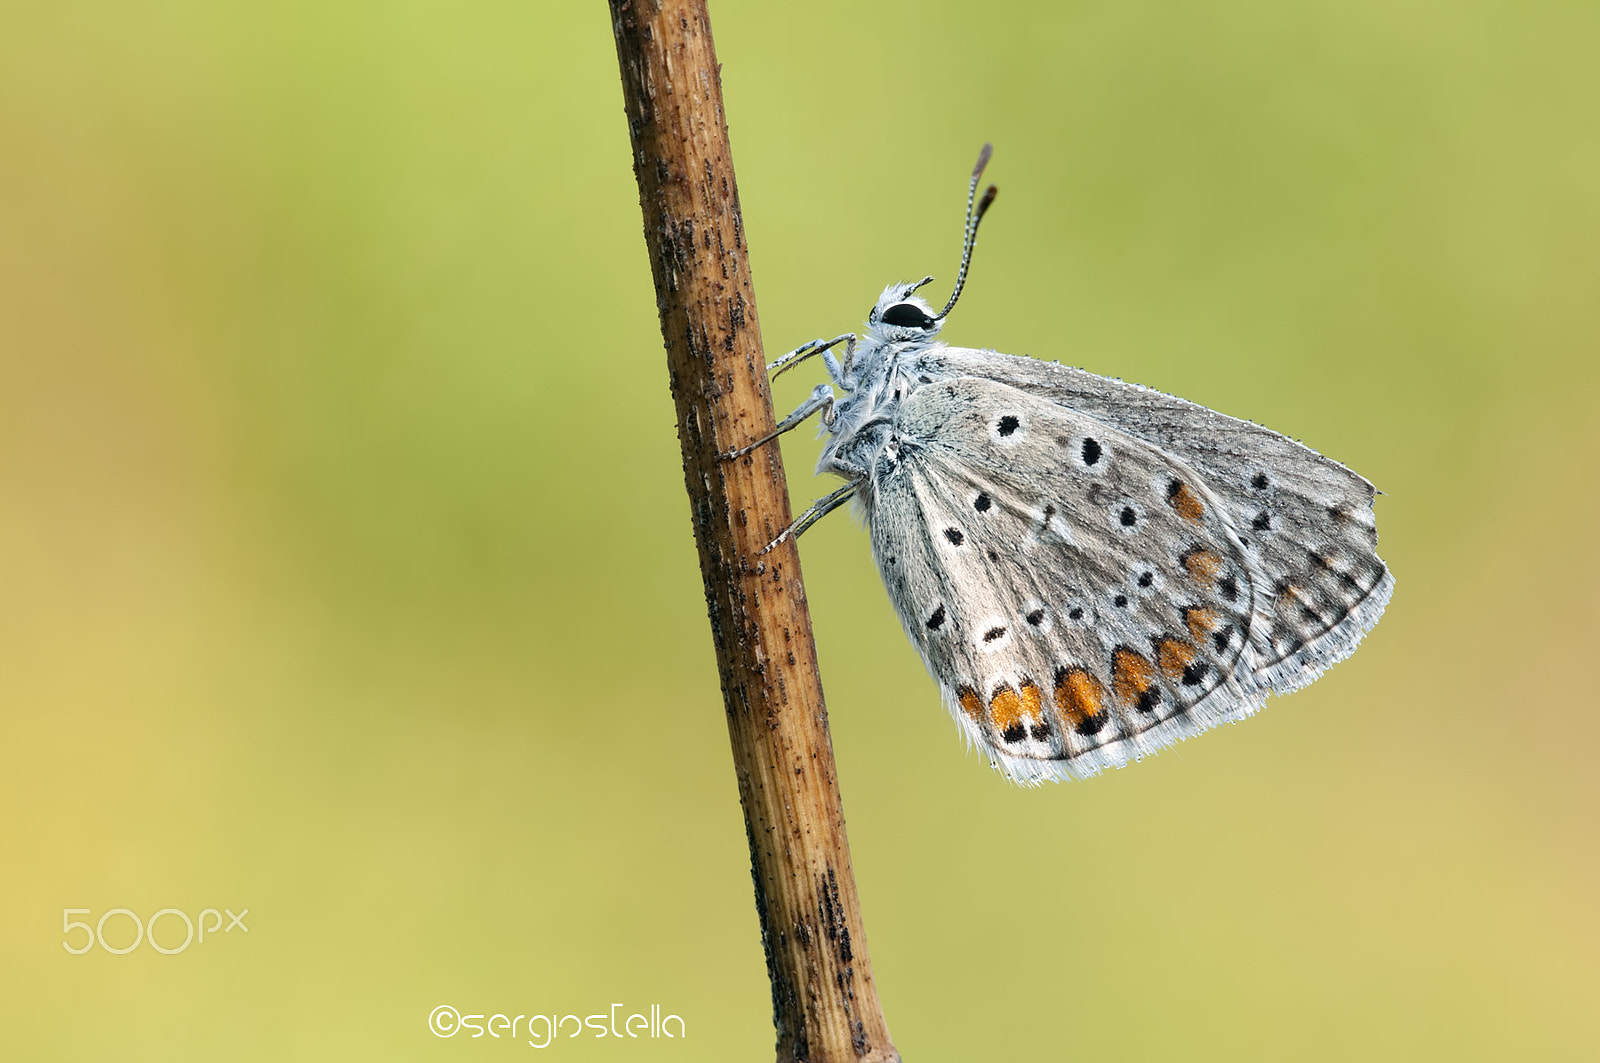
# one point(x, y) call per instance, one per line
point(346, 573)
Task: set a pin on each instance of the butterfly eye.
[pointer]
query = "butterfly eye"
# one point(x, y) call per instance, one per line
point(907, 315)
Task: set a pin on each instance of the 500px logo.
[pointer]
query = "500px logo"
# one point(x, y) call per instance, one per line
point(145, 931)
point(542, 1030)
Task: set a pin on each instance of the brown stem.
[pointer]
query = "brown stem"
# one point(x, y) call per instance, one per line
point(824, 1003)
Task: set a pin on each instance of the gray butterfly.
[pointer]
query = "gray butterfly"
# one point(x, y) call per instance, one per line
point(1091, 570)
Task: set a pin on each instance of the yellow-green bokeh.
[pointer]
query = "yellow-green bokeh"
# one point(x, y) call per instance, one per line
point(346, 573)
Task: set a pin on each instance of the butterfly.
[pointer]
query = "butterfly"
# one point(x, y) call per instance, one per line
point(1091, 570)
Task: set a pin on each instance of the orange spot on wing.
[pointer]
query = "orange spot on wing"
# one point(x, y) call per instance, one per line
point(1081, 699)
point(1202, 622)
point(1187, 504)
point(1006, 708)
point(1201, 564)
point(1174, 655)
point(970, 704)
point(1131, 676)
point(1017, 715)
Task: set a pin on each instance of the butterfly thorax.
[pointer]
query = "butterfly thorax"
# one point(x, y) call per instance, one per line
point(880, 374)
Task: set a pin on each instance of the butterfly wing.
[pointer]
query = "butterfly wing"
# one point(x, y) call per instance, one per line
point(1306, 519)
point(1083, 596)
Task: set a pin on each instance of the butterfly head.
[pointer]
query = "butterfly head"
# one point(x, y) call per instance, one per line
point(900, 316)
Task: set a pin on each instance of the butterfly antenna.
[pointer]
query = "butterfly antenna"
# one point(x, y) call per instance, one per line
point(974, 216)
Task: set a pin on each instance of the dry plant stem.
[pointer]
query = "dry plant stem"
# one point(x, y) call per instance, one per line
point(825, 1006)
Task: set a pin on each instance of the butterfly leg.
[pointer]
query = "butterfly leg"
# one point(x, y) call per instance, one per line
point(821, 399)
point(821, 508)
point(806, 350)
point(839, 368)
